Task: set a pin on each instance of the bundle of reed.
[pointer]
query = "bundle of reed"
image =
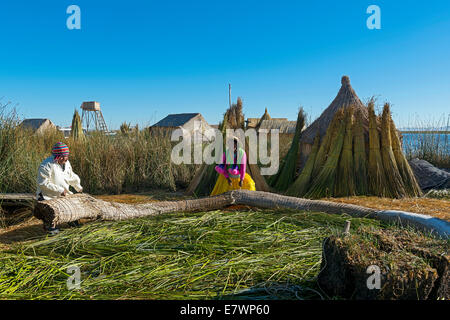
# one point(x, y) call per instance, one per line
point(324, 183)
point(301, 184)
point(376, 173)
point(286, 174)
point(409, 180)
point(345, 185)
point(359, 156)
point(324, 147)
point(393, 177)
point(76, 133)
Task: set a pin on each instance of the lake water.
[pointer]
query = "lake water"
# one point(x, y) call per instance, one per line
point(440, 141)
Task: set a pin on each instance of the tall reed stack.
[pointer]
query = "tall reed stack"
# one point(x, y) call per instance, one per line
point(359, 156)
point(393, 178)
point(345, 185)
point(286, 174)
point(376, 173)
point(324, 184)
point(301, 184)
point(76, 132)
point(324, 147)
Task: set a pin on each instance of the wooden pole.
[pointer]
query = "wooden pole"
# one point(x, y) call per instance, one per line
point(347, 227)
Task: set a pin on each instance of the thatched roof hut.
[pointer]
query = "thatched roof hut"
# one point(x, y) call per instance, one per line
point(38, 126)
point(186, 121)
point(284, 126)
point(346, 97)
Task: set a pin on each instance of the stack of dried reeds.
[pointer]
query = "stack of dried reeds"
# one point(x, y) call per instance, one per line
point(347, 163)
point(76, 132)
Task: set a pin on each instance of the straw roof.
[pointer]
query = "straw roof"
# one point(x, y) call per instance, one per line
point(345, 97)
point(38, 125)
point(176, 120)
point(284, 126)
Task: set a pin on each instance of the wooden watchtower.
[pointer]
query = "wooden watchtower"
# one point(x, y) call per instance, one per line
point(92, 116)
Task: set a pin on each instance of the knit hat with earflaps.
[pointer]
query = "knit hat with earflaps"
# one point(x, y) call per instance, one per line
point(60, 149)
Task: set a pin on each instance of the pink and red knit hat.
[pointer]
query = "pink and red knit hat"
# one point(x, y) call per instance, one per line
point(60, 149)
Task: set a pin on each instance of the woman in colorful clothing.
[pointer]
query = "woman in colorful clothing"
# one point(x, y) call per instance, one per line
point(232, 173)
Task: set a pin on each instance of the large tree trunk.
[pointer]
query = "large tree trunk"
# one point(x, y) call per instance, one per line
point(83, 206)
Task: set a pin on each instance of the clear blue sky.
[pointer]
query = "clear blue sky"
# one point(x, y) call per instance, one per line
point(145, 59)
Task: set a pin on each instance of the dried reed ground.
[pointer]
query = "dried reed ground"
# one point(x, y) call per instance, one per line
point(233, 253)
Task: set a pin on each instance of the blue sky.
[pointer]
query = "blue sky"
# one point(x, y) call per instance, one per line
point(143, 60)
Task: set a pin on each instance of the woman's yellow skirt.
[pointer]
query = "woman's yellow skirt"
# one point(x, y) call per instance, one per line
point(223, 186)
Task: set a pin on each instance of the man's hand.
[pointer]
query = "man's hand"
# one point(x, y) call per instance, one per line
point(64, 193)
point(240, 183)
point(229, 181)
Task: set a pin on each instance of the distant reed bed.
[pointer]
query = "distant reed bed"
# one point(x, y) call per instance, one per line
point(127, 162)
point(429, 141)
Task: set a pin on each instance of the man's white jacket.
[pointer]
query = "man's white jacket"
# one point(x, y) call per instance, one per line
point(52, 179)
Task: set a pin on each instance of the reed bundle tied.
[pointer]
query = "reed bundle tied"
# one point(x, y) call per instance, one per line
point(345, 185)
point(409, 180)
point(376, 173)
point(286, 174)
point(324, 183)
point(359, 156)
point(324, 147)
point(301, 184)
point(393, 177)
point(76, 133)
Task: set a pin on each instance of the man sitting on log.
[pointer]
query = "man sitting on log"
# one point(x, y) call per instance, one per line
point(54, 178)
